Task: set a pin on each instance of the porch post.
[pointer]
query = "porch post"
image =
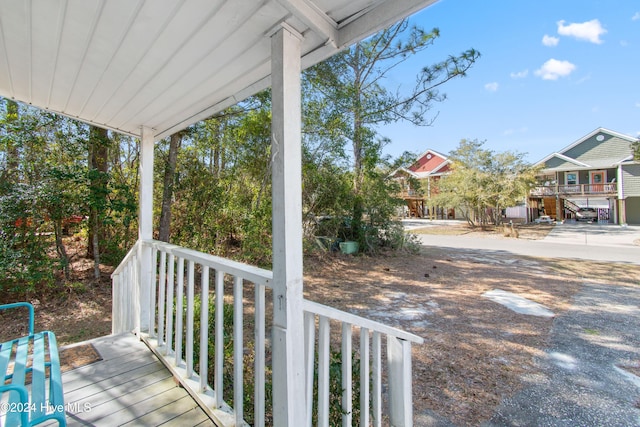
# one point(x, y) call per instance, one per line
point(622, 208)
point(289, 406)
point(145, 228)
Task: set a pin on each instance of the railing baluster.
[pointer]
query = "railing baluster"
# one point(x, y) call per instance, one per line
point(152, 297)
point(169, 312)
point(260, 357)
point(376, 369)
point(309, 357)
point(126, 310)
point(162, 283)
point(190, 302)
point(400, 397)
point(364, 377)
point(135, 288)
point(219, 339)
point(323, 372)
point(347, 375)
point(204, 328)
point(179, 311)
point(238, 350)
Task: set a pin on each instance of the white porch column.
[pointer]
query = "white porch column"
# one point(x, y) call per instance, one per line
point(145, 227)
point(289, 406)
point(622, 208)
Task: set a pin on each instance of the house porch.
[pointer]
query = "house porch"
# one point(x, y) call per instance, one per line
point(129, 386)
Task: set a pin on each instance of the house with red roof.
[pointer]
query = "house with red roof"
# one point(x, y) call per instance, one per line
point(419, 186)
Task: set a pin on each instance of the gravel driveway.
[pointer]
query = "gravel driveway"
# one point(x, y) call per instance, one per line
point(585, 377)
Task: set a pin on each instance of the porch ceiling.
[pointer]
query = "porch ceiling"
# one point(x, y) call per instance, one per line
point(165, 64)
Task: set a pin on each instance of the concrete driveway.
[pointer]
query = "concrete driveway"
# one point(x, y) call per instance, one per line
point(595, 242)
point(595, 234)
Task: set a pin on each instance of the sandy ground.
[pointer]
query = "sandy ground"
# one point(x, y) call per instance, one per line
point(476, 351)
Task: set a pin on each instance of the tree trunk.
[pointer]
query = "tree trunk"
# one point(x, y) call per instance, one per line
point(12, 152)
point(62, 252)
point(358, 154)
point(98, 167)
point(167, 192)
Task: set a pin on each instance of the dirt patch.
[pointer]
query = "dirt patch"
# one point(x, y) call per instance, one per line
point(77, 310)
point(476, 351)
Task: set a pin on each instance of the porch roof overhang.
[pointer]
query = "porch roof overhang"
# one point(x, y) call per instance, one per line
point(166, 64)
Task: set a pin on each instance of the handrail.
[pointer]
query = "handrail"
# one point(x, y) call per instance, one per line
point(254, 274)
point(353, 319)
point(132, 252)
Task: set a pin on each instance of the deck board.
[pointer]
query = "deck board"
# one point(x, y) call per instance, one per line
point(130, 386)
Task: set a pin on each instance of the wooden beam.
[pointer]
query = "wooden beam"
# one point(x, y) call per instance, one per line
point(384, 14)
point(315, 18)
point(289, 406)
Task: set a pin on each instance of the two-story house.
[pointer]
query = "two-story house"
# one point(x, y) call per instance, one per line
point(598, 171)
point(419, 184)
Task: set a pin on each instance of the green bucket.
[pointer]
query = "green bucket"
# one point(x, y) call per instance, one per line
point(348, 247)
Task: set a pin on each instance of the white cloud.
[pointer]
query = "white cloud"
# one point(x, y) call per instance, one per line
point(520, 74)
point(638, 104)
point(589, 31)
point(554, 69)
point(491, 87)
point(550, 40)
point(636, 16)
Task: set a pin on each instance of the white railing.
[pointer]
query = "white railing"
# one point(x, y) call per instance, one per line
point(173, 335)
point(575, 189)
point(370, 357)
point(125, 293)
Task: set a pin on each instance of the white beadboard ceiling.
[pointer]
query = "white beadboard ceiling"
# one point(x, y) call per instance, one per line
point(165, 64)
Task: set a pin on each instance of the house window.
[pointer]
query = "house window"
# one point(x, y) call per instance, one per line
point(598, 177)
point(572, 178)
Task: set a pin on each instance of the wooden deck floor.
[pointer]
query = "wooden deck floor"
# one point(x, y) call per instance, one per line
point(129, 387)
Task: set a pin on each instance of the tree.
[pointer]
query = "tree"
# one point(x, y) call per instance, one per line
point(58, 196)
point(482, 183)
point(164, 231)
point(38, 190)
point(635, 146)
point(99, 143)
point(345, 98)
point(10, 144)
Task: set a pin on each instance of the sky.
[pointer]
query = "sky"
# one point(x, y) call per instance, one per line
point(550, 72)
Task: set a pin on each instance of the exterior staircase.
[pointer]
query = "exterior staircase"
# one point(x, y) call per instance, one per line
point(570, 206)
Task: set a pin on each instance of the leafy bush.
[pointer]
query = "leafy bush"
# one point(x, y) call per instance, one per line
point(24, 263)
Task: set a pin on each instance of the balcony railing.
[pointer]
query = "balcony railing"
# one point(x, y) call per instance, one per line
point(608, 188)
point(409, 193)
point(170, 333)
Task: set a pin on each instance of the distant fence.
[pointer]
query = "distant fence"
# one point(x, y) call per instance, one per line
point(517, 212)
